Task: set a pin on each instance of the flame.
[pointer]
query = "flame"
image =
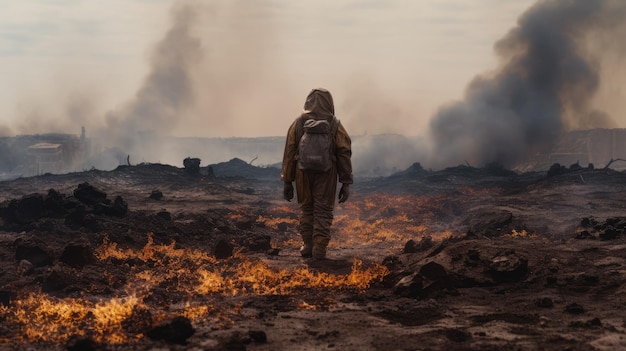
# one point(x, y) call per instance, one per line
point(258, 278)
point(47, 319)
point(43, 318)
point(273, 222)
point(521, 234)
point(197, 279)
point(159, 254)
point(376, 220)
point(388, 219)
point(277, 215)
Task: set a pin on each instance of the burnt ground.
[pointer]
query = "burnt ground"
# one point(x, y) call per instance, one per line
point(151, 257)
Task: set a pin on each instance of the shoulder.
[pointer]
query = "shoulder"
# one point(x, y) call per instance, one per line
point(341, 131)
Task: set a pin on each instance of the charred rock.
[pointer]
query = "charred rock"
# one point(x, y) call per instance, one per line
point(77, 255)
point(176, 331)
point(89, 194)
point(34, 251)
point(192, 165)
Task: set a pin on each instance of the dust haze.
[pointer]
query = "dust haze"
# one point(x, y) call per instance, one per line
point(220, 71)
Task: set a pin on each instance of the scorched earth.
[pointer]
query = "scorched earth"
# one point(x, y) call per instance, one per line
point(156, 257)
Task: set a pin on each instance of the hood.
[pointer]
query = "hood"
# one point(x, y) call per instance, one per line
point(319, 104)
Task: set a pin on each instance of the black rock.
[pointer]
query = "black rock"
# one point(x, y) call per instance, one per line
point(120, 207)
point(26, 210)
point(609, 233)
point(433, 271)
point(164, 215)
point(574, 308)
point(54, 202)
point(192, 165)
point(81, 343)
point(223, 249)
point(156, 195)
point(32, 251)
point(57, 278)
point(409, 286)
point(89, 195)
point(77, 254)
point(176, 331)
point(556, 169)
point(508, 267)
point(410, 247)
point(258, 336)
point(588, 222)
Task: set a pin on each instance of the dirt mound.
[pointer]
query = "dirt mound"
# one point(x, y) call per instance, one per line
point(239, 168)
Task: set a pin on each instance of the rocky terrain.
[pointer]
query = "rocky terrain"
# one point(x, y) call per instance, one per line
point(158, 257)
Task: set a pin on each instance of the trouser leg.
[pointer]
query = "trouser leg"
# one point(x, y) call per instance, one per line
point(323, 219)
point(306, 229)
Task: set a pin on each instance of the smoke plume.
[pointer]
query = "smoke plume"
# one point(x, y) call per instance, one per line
point(545, 85)
point(213, 55)
point(167, 92)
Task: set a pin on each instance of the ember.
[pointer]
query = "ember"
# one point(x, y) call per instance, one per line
point(43, 318)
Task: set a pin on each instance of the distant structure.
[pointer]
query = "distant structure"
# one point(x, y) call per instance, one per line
point(47, 157)
point(29, 155)
point(597, 146)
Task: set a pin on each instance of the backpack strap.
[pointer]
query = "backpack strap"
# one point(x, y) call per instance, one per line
point(299, 128)
point(334, 126)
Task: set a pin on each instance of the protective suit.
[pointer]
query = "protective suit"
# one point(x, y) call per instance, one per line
point(316, 191)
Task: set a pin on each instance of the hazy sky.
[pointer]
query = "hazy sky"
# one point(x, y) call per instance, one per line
point(389, 63)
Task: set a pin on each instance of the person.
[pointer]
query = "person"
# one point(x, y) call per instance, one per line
point(316, 190)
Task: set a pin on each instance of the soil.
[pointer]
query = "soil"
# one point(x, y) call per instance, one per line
point(153, 257)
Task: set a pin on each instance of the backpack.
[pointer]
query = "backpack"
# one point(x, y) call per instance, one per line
point(315, 152)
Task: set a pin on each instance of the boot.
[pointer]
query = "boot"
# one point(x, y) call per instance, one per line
point(319, 247)
point(319, 251)
point(306, 250)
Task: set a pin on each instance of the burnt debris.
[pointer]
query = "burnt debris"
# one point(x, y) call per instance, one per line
point(33, 210)
point(611, 229)
point(192, 166)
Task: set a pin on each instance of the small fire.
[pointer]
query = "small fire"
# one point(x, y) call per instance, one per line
point(170, 281)
point(192, 274)
point(380, 221)
point(47, 319)
point(388, 219)
point(521, 234)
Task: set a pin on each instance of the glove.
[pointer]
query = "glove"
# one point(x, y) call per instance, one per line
point(288, 191)
point(344, 193)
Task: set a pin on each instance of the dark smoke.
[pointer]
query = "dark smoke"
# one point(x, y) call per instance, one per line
point(166, 94)
point(544, 86)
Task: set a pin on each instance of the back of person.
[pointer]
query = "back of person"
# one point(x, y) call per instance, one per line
point(317, 155)
point(316, 144)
